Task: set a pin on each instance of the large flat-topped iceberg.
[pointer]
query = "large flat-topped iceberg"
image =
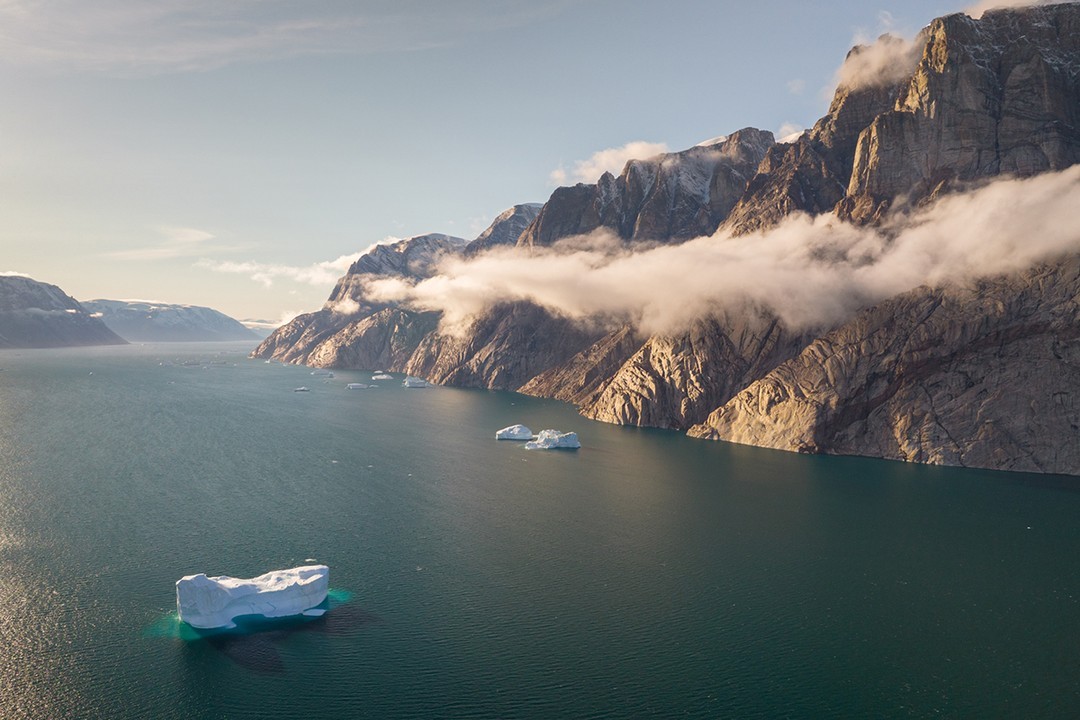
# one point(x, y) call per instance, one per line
point(213, 602)
point(553, 439)
point(514, 432)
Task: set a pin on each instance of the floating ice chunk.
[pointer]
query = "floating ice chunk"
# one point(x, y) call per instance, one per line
point(357, 386)
point(382, 376)
point(514, 432)
point(213, 602)
point(300, 389)
point(415, 382)
point(552, 439)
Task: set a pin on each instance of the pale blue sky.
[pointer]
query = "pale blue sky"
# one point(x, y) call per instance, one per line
point(143, 145)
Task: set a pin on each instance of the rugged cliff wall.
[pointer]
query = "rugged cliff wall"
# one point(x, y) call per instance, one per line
point(929, 376)
point(982, 376)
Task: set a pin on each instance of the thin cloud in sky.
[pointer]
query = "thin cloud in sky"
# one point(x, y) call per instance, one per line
point(135, 37)
point(178, 242)
point(319, 273)
point(610, 160)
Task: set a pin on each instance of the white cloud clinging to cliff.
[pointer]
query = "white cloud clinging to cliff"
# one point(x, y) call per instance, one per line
point(611, 160)
point(811, 272)
point(976, 11)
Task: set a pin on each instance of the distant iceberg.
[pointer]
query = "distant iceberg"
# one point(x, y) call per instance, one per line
point(357, 386)
point(213, 602)
point(415, 382)
point(514, 432)
point(382, 376)
point(300, 389)
point(553, 439)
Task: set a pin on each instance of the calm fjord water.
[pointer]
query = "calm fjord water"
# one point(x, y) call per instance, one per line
point(644, 575)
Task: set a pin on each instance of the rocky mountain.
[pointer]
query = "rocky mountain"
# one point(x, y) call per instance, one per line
point(140, 321)
point(38, 315)
point(928, 376)
point(674, 196)
point(982, 376)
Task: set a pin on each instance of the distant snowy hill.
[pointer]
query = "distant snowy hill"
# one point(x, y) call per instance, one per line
point(139, 321)
point(36, 315)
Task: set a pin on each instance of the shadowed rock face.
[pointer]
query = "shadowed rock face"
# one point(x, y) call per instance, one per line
point(676, 196)
point(986, 376)
point(38, 315)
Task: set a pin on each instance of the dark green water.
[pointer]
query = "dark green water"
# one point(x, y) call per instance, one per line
point(646, 575)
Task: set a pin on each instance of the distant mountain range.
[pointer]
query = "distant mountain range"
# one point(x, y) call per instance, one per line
point(976, 371)
point(140, 321)
point(38, 315)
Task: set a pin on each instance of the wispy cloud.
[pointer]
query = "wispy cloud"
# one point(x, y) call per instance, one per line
point(976, 11)
point(789, 132)
point(808, 271)
point(796, 86)
point(319, 273)
point(286, 317)
point(610, 160)
point(138, 38)
point(176, 242)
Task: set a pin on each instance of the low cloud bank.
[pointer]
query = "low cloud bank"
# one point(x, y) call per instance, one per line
point(811, 272)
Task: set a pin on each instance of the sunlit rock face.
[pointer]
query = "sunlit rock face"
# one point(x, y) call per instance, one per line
point(980, 376)
point(213, 602)
point(993, 96)
point(670, 197)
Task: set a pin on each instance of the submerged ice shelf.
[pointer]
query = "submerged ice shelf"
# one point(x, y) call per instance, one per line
point(212, 602)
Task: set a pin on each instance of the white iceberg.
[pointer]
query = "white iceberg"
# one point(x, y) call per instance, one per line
point(514, 432)
point(552, 439)
point(357, 386)
point(415, 382)
point(382, 376)
point(212, 602)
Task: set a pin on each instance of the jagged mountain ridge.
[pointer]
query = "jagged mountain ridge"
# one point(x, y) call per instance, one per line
point(39, 315)
point(141, 321)
point(954, 118)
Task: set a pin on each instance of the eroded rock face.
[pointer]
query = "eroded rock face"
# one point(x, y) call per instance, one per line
point(996, 95)
point(675, 381)
point(983, 376)
point(675, 196)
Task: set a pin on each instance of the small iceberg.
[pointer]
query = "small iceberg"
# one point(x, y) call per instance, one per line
point(213, 602)
point(514, 432)
point(322, 373)
point(301, 389)
point(382, 376)
point(357, 386)
point(553, 439)
point(415, 382)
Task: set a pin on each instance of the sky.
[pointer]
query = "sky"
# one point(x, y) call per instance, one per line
point(239, 154)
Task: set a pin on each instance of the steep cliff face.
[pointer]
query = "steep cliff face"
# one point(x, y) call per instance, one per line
point(982, 376)
point(675, 196)
point(996, 95)
point(506, 228)
point(811, 174)
point(38, 315)
point(674, 381)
